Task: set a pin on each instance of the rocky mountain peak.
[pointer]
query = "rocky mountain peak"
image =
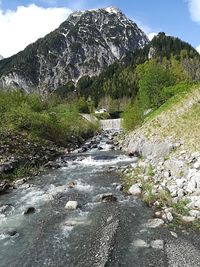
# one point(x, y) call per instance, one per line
point(85, 44)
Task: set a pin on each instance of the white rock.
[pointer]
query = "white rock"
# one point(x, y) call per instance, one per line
point(191, 186)
point(197, 165)
point(197, 204)
point(173, 190)
point(166, 174)
point(140, 243)
point(19, 182)
point(158, 214)
point(135, 190)
point(180, 193)
point(71, 205)
point(194, 213)
point(157, 244)
point(187, 219)
point(173, 234)
point(154, 223)
point(195, 155)
point(180, 182)
point(169, 217)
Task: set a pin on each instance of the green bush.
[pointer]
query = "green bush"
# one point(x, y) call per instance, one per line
point(48, 118)
point(132, 115)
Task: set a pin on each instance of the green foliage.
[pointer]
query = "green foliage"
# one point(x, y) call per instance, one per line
point(166, 46)
point(66, 89)
point(81, 105)
point(181, 208)
point(179, 88)
point(153, 78)
point(132, 115)
point(48, 118)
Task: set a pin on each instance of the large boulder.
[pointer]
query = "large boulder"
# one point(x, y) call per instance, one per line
point(139, 145)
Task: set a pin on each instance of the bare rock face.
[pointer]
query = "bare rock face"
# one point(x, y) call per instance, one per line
point(84, 44)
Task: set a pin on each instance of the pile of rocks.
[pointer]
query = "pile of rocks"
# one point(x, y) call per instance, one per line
point(105, 138)
point(178, 174)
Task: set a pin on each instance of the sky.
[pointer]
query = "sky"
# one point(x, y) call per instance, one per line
point(24, 21)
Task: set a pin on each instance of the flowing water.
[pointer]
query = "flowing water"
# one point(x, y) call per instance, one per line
point(96, 234)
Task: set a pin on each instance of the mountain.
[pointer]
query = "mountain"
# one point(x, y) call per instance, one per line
point(120, 80)
point(1, 57)
point(85, 44)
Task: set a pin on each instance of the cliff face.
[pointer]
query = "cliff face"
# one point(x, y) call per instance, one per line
point(84, 44)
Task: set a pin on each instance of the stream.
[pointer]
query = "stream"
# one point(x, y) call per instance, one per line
point(96, 233)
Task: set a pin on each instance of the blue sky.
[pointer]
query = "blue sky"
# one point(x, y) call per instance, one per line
point(23, 21)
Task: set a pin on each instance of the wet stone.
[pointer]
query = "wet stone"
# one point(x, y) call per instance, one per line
point(157, 244)
point(71, 205)
point(11, 232)
point(29, 210)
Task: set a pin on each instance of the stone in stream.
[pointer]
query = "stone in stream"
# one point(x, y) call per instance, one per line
point(140, 243)
point(157, 244)
point(154, 223)
point(19, 182)
point(29, 210)
point(107, 197)
point(71, 205)
point(71, 184)
point(82, 149)
point(11, 232)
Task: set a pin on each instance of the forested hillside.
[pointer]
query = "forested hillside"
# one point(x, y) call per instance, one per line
point(164, 62)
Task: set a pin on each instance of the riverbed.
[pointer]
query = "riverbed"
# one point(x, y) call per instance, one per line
point(96, 233)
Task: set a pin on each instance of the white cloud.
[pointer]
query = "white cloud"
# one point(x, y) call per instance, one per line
point(198, 48)
point(151, 35)
point(194, 8)
point(25, 25)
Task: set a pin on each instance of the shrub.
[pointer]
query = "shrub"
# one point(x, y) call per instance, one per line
point(48, 118)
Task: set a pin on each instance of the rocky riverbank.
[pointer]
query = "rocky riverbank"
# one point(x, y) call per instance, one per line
point(166, 148)
point(22, 157)
point(165, 176)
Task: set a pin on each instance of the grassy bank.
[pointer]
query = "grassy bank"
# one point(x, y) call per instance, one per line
point(165, 181)
point(36, 129)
